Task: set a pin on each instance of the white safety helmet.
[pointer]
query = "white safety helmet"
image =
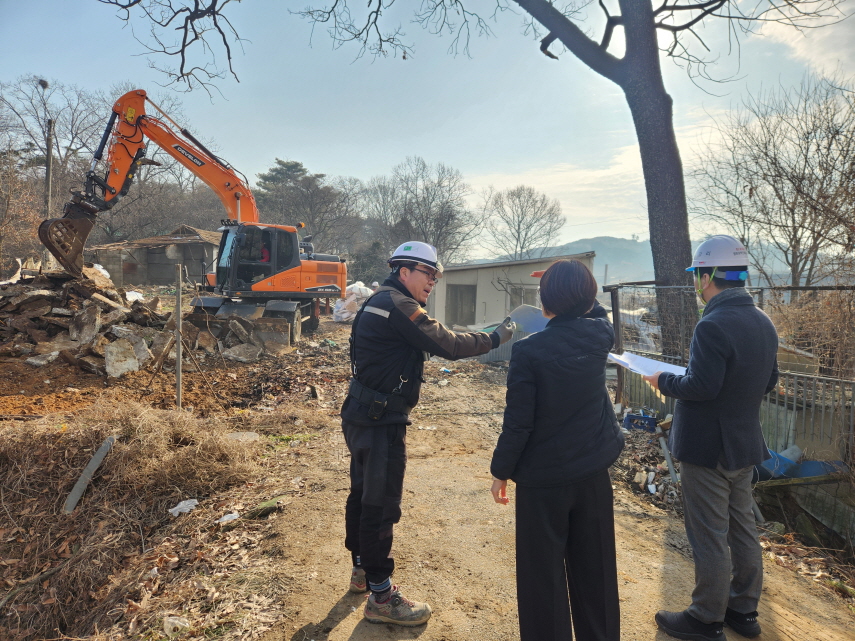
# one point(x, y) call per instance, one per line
point(720, 251)
point(416, 252)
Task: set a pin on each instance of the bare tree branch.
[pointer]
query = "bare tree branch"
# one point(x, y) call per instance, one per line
point(195, 21)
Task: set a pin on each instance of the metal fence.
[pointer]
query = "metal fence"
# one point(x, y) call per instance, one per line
point(816, 325)
point(813, 412)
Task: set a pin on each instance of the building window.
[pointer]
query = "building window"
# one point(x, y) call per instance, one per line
point(523, 295)
point(460, 304)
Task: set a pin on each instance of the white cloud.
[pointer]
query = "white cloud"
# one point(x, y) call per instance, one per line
point(597, 201)
point(825, 49)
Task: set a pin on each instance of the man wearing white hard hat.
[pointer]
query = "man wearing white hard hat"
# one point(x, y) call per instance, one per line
point(717, 438)
point(391, 337)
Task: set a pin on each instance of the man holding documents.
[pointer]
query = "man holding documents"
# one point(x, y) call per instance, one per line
point(717, 438)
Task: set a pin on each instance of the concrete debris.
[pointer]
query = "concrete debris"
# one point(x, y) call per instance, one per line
point(120, 357)
point(85, 325)
point(206, 342)
point(59, 342)
point(243, 353)
point(42, 359)
point(91, 324)
point(98, 345)
point(93, 365)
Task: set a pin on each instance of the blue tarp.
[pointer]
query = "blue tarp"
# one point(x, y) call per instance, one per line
point(779, 467)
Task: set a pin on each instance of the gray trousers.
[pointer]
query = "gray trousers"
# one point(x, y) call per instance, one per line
point(721, 530)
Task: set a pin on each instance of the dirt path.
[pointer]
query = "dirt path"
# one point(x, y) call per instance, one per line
point(455, 548)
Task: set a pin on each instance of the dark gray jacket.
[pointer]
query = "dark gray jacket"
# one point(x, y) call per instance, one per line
point(390, 335)
point(560, 424)
point(732, 364)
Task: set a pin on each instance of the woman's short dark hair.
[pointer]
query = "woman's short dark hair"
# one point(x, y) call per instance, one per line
point(568, 288)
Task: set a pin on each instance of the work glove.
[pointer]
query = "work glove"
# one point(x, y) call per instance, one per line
point(505, 330)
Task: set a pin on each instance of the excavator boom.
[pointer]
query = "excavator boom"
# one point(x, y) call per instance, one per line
point(127, 131)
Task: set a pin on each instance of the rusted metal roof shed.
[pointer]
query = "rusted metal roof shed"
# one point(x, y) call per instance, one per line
point(151, 261)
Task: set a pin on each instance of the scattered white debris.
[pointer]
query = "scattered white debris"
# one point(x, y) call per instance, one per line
point(183, 507)
point(228, 517)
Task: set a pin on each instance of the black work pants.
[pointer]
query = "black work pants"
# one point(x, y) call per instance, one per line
point(378, 459)
point(566, 547)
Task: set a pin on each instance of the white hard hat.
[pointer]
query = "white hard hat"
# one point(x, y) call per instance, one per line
point(416, 252)
point(375, 284)
point(720, 251)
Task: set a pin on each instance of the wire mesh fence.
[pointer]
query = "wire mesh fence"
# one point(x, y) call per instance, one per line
point(816, 325)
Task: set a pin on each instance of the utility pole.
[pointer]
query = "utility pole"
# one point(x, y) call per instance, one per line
point(46, 256)
point(48, 167)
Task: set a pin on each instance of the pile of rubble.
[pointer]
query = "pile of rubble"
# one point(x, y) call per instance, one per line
point(91, 324)
point(643, 467)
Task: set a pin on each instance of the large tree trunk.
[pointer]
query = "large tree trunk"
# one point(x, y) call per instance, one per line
point(639, 74)
point(652, 114)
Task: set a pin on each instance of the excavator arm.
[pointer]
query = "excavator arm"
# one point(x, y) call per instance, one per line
point(127, 132)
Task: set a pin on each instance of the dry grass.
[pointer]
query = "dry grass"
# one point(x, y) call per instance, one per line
point(821, 323)
point(69, 574)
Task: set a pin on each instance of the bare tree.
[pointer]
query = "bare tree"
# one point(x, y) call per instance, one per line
point(20, 204)
point(779, 174)
point(522, 222)
point(32, 101)
point(383, 208)
point(434, 208)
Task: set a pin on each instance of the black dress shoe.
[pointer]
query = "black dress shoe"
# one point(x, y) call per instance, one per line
point(683, 625)
point(744, 624)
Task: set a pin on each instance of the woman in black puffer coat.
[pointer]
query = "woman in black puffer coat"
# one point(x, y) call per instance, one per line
point(559, 437)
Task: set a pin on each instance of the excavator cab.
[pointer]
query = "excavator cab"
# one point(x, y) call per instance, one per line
point(252, 254)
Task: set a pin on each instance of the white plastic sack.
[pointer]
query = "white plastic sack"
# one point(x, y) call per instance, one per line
point(101, 269)
point(345, 309)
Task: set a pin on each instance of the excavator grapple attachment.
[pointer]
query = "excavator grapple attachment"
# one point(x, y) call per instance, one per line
point(65, 239)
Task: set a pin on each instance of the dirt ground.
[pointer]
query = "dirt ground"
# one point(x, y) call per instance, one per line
point(454, 546)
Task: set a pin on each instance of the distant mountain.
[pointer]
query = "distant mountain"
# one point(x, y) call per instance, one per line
point(627, 260)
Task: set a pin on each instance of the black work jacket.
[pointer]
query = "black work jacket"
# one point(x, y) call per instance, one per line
point(733, 363)
point(559, 425)
point(390, 336)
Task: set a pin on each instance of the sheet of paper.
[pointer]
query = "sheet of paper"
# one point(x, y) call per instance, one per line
point(645, 366)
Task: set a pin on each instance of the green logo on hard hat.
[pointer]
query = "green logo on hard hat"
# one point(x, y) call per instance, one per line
point(408, 248)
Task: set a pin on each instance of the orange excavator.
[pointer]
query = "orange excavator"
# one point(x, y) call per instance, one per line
point(263, 272)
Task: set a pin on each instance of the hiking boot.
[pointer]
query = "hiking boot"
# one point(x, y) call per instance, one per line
point(683, 625)
point(358, 582)
point(396, 609)
point(744, 624)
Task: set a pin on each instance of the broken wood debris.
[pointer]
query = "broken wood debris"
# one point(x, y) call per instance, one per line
point(91, 324)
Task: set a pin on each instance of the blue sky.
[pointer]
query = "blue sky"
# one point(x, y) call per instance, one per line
point(505, 115)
